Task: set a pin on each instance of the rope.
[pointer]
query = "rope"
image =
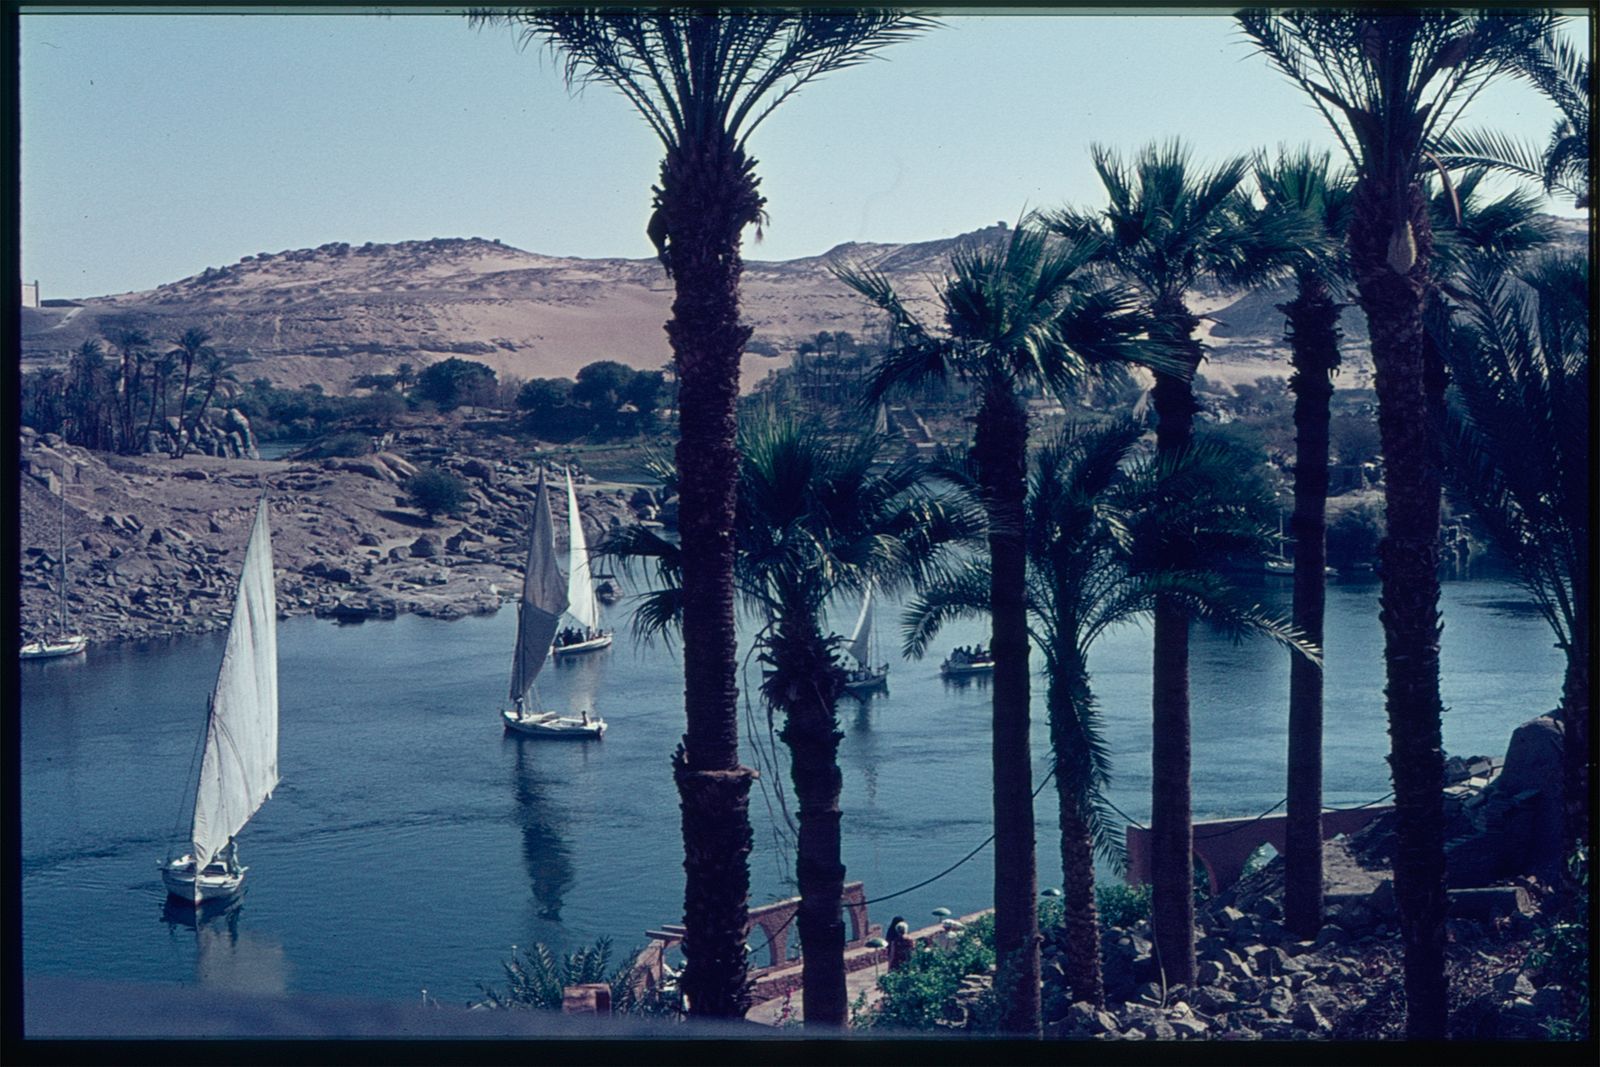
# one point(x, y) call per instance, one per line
point(926, 881)
point(1221, 833)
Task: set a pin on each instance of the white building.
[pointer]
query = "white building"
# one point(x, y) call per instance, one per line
point(30, 295)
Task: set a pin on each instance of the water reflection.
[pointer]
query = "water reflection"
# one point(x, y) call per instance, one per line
point(966, 681)
point(545, 852)
point(227, 957)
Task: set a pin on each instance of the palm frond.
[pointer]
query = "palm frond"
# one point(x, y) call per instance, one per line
point(964, 593)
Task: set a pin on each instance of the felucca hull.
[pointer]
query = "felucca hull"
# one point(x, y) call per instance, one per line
point(966, 670)
point(182, 884)
point(594, 644)
point(70, 646)
point(864, 682)
point(554, 727)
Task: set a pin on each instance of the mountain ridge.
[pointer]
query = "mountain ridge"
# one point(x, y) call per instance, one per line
point(327, 314)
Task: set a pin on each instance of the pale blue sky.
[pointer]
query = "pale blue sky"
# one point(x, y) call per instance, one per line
point(154, 146)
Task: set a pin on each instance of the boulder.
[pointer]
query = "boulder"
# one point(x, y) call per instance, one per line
point(478, 470)
point(424, 547)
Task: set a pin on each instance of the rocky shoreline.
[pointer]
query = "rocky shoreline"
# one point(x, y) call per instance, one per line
point(154, 544)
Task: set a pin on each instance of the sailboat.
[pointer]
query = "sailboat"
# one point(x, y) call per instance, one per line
point(65, 642)
point(582, 605)
point(544, 598)
point(863, 647)
point(239, 766)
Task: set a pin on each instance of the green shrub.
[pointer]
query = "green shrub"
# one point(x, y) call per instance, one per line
point(1122, 905)
point(921, 993)
point(535, 980)
point(434, 492)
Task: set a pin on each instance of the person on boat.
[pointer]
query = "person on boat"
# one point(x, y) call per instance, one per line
point(586, 716)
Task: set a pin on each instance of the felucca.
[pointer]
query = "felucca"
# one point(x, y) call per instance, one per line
point(864, 677)
point(544, 598)
point(239, 765)
point(64, 642)
point(582, 606)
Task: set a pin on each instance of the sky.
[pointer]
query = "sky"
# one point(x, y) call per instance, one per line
point(156, 145)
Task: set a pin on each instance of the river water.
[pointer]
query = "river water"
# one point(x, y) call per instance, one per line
point(411, 843)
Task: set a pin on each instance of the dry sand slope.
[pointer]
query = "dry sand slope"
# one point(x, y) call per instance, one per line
point(325, 315)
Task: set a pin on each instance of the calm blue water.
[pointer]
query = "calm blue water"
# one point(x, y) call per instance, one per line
point(411, 844)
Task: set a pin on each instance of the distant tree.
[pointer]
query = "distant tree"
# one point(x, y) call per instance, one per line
point(435, 492)
point(601, 387)
point(646, 393)
point(194, 346)
point(404, 375)
point(452, 382)
point(88, 397)
point(542, 394)
point(216, 372)
point(131, 344)
point(44, 400)
point(161, 368)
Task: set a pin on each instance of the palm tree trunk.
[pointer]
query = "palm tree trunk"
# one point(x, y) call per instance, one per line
point(1000, 449)
point(182, 446)
point(1409, 556)
point(1314, 340)
point(1171, 815)
point(703, 208)
point(1069, 703)
point(807, 686)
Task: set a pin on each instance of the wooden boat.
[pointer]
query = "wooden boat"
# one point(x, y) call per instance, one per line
point(539, 610)
point(962, 665)
point(239, 764)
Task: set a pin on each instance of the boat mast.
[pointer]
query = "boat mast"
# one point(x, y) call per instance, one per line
point(61, 554)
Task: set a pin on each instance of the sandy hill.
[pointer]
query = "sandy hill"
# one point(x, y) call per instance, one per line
point(327, 314)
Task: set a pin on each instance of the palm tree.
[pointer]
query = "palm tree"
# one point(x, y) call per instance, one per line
point(1390, 84)
point(1100, 524)
point(1561, 73)
point(703, 80)
point(817, 518)
point(131, 344)
point(1166, 228)
point(1018, 314)
point(193, 346)
point(215, 368)
point(1518, 435)
point(86, 404)
point(1302, 188)
point(162, 368)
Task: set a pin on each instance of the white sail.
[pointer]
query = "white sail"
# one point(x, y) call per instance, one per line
point(581, 602)
point(860, 642)
point(544, 598)
point(240, 765)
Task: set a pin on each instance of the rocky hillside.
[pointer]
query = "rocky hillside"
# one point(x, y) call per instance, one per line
point(327, 314)
point(154, 544)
